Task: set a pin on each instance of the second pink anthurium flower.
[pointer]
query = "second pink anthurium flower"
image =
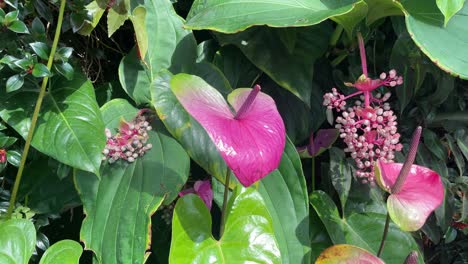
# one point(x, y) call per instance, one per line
point(251, 139)
point(421, 193)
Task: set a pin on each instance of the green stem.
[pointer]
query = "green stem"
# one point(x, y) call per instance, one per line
point(36, 112)
point(336, 35)
point(226, 192)
point(384, 236)
point(313, 174)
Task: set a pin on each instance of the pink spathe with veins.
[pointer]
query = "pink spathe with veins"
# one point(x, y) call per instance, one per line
point(368, 127)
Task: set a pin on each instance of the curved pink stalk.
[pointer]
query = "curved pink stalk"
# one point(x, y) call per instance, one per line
point(362, 51)
point(251, 142)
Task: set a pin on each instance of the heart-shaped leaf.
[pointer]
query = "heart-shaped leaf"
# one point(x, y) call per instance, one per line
point(248, 235)
point(421, 194)
point(252, 141)
point(145, 184)
point(70, 127)
point(242, 14)
point(64, 251)
point(449, 8)
point(347, 254)
point(17, 241)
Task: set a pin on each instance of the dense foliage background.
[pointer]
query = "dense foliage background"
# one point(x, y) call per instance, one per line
point(116, 57)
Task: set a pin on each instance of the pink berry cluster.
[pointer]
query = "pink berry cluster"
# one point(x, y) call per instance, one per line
point(369, 127)
point(130, 142)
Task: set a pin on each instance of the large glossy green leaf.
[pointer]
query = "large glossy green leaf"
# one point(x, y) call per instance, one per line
point(425, 24)
point(291, 69)
point(185, 129)
point(63, 252)
point(248, 235)
point(231, 16)
point(449, 8)
point(351, 19)
point(70, 127)
point(119, 205)
point(17, 241)
point(285, 194)
point(170, 47)
point(363, 230)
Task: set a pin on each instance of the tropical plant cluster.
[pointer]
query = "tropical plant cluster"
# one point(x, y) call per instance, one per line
point(233, 131)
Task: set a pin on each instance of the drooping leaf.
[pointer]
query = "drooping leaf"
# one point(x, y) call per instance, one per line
point(351, 19)
point(449, 8)
point(421, 193)
point(139, 24)
point(347, 254)
point(425, 23)
point(251, 144)
point(14, 83)
point(363, 230)
point(64, 251)
point(248, 236)
point(70, 127)
point(17, 241)
point(261, 46)
point(41, 49)
point(242, 14)
point(40, 70)
point(382, 8)
point(145, 184)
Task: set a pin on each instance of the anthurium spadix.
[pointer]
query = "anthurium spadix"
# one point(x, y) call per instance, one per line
point(421, 193)
point(251, 138)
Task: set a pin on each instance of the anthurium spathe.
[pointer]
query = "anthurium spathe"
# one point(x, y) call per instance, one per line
point(202, 189)
point(250, 139)
point(421, 193)
point(347, 254)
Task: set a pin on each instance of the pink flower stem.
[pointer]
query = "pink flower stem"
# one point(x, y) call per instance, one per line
point(351, 95)
point(367, 97)
point(248, 102)
point(396, 188)
point(362, 51)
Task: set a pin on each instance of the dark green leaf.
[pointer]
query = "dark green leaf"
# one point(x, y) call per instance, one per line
point(41, 49)
point(40, 70)
point(351, 19)
point(65, 69)
point(340, 174)
point(13, 157)
point(457, 155)
point(144, 184)
point(248, 235)
point(6, 141)
point(18, 27)
point(14, 83)
point(63, 54)
point(292, 71)
point(434, 144)
point(70, 127)
point(38, 29)
point(17, 241)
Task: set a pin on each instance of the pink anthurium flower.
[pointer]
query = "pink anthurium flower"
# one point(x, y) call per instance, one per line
point(421, 193)
point(202, 189)
point(251, 140)
point(349, 254)
point(323, 140)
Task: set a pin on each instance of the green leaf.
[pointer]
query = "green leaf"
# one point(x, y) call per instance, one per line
point(351, 19)
point(426, 26)
point(143, 184)
point(449, 8)
point(293, 71)
point(63, 54)
point(462, 142)
point(139, 24)
point(38, 29)
point(172, 47)
point(242, 14)
point(457, 155)
point(248, 235)
point(6, 141)
point(70, 127)
point(340, 174)
point(18, 27)
point(13, 157)
point(41, 49)
point(65, 69)
point(11, 16)
point(64, 252)
point(40, 70)
point(284, 192)
point(434, 144)
point(14, 83)
point(378, 9)
point(47, 193)
point(363, 230)
point(114, 21)
point(17, 241)
point(95, 13)
point(186, 130)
